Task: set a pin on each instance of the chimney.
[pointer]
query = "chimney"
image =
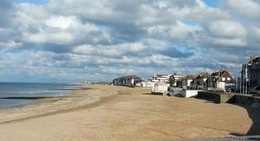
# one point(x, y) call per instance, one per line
point(252, 59)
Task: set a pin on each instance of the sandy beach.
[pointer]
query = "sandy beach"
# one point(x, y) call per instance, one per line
point(112, 113)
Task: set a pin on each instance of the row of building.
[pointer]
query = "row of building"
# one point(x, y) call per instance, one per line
point(221, 80)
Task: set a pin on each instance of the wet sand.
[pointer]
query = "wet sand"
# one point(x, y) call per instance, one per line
point(112, 113)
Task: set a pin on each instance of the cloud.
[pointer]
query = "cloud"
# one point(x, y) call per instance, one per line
point(6, 12)
point(227, 29)
point(62, 30)
point(10, 44)
point(248, 8)
point(111, 51)
point(61, 22)
point(77, 40)
point(237, 42)
point(178, 31)
point(255, 31)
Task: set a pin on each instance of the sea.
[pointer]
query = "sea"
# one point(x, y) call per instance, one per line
point(19, 94)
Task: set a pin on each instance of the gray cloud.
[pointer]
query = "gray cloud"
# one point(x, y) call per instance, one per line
point(5, 12)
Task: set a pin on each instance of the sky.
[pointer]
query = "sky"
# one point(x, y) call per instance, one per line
point(86, 40)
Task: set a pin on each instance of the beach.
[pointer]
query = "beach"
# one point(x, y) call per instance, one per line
point(114, 113)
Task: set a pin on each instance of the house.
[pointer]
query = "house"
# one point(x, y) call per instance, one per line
point(162, 77)
point(221, 80)
point(130, 80)
point(200, 81)
point(160, 87)
point(160, 83)
point(176, 80)
point(186, 82)
point(155, 79)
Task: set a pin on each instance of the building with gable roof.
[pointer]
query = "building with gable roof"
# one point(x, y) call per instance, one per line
point(221, 80)
point(130, 80)
point(200, 81)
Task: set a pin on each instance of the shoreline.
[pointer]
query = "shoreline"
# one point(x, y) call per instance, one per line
point(122, 113)
point(53, 105)
point(21, 94)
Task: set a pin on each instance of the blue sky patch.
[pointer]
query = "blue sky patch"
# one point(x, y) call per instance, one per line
point(36, 2)
point(212, 3)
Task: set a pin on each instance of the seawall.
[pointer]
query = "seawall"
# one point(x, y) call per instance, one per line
point(220, 97)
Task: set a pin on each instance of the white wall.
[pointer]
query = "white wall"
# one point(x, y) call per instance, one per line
point(221, 85)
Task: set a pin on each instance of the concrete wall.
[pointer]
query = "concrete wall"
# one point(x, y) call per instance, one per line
point(246, 99)
point(217, 97)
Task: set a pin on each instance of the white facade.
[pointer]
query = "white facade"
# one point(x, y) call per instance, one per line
point(186, 83)
point(221, 85)
point(160, 88)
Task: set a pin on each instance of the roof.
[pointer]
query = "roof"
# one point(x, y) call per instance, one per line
point(219, 74)
point(129, 77)
point(190, 77)
point(202, 75)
